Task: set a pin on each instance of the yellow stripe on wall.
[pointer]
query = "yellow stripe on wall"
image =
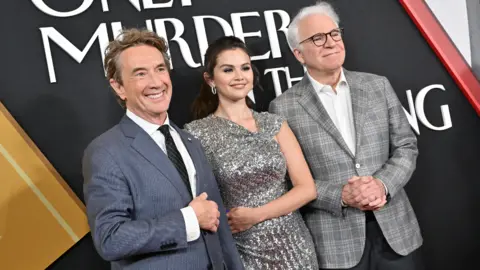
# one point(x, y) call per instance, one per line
point(40, 216)
point(39, 194)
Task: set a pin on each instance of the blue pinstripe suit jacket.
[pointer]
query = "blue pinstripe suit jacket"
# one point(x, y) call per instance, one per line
point(134, 194)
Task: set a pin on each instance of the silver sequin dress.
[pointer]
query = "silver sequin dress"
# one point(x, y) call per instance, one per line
point(250, 171)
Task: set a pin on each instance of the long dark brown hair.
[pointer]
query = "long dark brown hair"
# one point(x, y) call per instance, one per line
point(206, 102)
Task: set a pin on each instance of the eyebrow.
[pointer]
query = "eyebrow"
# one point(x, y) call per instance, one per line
point(144, 69)
point(228, 65)
point(138, 69)
point(334, 29)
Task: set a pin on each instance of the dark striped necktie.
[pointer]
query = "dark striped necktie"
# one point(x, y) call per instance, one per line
point(174, 156)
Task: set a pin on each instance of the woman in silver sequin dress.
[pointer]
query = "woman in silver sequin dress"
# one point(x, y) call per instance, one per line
point(250, 153)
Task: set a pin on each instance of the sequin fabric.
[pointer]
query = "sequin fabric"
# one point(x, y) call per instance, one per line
point(250, 171)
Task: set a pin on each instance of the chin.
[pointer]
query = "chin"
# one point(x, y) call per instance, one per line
point(238, 95)
point(334, 66)
point(158, 109)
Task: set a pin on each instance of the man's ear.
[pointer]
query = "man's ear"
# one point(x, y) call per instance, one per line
point(118, 88)
point(299, 55)
point(208, 79)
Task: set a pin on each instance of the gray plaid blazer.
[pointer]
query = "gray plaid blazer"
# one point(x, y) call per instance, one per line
point(386, 148)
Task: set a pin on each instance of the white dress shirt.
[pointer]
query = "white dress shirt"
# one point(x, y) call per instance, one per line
point(191, 221)
point(339, 107)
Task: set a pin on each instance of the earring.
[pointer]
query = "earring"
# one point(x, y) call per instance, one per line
point(214, 90)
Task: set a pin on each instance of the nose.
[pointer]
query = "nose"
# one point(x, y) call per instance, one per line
point(155, 80)
point(329, 42)
point(238, 75)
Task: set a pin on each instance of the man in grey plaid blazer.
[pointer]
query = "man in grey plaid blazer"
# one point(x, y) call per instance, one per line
point(360, 149)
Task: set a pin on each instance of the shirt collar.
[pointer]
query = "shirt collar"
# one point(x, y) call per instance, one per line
point(148, 127)
point(321, 88)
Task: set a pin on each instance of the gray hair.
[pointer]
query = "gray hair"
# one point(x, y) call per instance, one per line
point(320, 8)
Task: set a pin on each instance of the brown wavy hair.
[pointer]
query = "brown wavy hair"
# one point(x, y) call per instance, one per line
point(126, 39)
point(206, 102)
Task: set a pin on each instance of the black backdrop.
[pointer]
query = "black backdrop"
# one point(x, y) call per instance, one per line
point(63, 117)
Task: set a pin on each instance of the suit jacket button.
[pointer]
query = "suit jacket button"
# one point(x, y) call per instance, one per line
point(357, 166)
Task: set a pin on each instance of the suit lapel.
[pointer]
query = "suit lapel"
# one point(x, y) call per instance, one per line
point(359, 97)
point(146, 147)
point(311, 103)
point(187, 141)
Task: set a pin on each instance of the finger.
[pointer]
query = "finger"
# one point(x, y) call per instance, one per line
point(366, 208)
point(355, 193)
point(381, 204)
point(360, 185)
point(384, 201)
point(349, 199)
point(373, 197)
point(365, 202)
point(369, 177)
point(375, 185)
point(346, 196)
point(203, 196)
point(375, 203)
point(378, 207)
point(366, 179)
point(359, 198)
point(353, 179)
point(366, 186)
point(214, 204)
point(370, 191)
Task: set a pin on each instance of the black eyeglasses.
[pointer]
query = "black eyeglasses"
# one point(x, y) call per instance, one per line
point(320, 39)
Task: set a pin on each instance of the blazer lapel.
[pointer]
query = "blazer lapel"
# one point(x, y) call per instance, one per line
point(187, 141)
point(146, 147)
point(359, 97)
point(311, 103)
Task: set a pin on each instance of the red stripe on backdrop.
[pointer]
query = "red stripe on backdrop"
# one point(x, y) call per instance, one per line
point(438, 39)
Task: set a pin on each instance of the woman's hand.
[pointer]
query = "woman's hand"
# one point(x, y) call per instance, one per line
point(243, 218)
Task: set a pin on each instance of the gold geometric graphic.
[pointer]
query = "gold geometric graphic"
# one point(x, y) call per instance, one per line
point(40, 216)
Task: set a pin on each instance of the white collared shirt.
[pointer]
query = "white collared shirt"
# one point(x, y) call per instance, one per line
point(339, 107)
point(191, 221)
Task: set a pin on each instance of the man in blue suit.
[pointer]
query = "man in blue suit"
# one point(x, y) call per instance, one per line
point(142, 176)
